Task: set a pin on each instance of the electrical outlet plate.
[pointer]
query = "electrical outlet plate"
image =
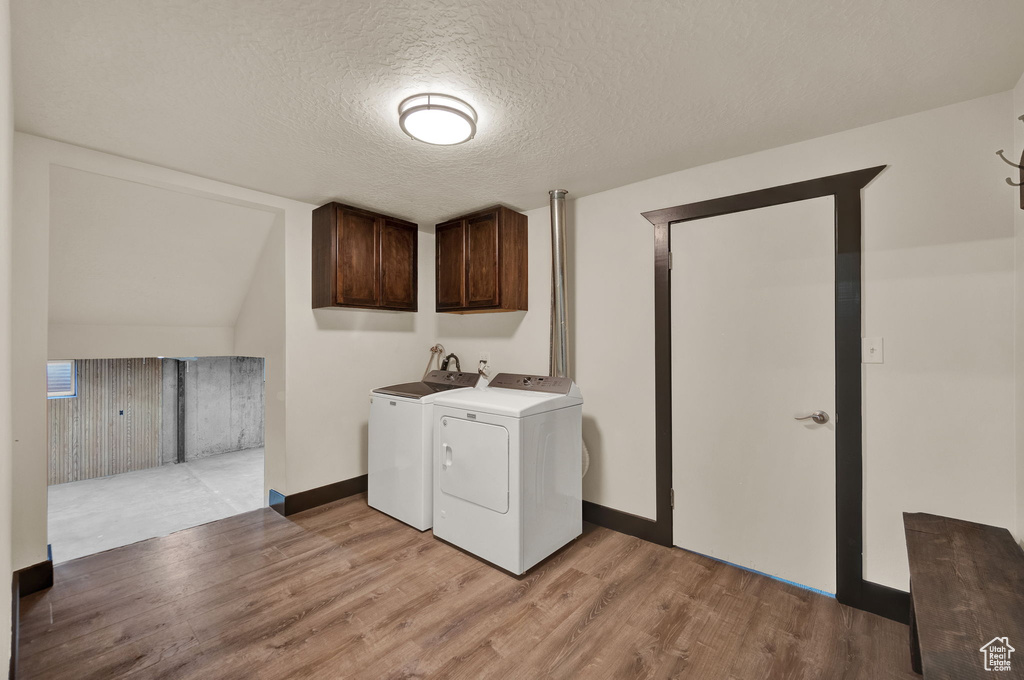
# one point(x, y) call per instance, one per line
point(872, 351)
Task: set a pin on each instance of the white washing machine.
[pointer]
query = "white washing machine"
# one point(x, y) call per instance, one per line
point(507, 469)
point(400, 479)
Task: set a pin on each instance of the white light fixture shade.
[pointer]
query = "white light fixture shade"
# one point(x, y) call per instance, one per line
point(437, 119)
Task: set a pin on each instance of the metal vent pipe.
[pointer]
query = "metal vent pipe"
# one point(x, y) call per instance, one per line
point(559, 359)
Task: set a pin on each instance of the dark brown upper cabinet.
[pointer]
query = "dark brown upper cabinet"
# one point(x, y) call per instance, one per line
point(363, 259)
point(481, 262)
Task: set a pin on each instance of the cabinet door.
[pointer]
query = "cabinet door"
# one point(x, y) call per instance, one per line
point(482, 261)
point(397, 265)
point(358, 249)
point(451, 265)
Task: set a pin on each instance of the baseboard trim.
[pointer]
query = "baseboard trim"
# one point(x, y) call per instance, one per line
point(15, 620)
point(623, 522)
point(321, 495)
point(35, 578)
point(25, 582)
point(885, 601)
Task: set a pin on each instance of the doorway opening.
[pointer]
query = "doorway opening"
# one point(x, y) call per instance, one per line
point(143, 447)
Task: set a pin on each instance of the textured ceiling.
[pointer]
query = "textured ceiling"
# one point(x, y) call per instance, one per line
point(298, 98)
point(123, 253)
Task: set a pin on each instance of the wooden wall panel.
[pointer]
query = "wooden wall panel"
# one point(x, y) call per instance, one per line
point(88, 435)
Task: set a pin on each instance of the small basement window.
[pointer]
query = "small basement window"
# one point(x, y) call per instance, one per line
point(61, 379)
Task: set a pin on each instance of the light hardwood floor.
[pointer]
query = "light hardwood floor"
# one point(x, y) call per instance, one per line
point(343, 591)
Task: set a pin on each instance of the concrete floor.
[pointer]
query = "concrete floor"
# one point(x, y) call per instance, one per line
point(99, 514)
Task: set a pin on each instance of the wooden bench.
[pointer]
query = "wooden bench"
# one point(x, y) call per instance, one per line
point(966, 589)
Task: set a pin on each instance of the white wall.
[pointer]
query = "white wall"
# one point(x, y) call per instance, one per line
point(260, 331)
point(334, 358)
point(6, 160)
point(75, 341)
point(1018, 217)
point(29, 321)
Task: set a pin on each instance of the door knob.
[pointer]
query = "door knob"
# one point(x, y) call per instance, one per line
point(819, 417)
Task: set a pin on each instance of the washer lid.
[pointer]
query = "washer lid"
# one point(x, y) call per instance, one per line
point(433, 383)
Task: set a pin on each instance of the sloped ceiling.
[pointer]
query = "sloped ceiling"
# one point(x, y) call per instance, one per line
point(299, 98)
point(129, 254)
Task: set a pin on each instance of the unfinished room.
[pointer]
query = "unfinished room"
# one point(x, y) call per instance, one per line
point(141, 444)
point(454, 339)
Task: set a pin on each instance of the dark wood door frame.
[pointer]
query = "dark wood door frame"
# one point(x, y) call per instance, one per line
point(845, 188)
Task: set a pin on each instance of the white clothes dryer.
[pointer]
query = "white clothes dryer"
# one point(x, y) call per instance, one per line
point(507, 469)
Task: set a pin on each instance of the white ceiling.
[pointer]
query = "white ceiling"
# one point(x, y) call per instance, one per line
point(299, 98)
point(123, 253)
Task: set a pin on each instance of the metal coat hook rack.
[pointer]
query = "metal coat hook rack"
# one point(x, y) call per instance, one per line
point(1020, 169)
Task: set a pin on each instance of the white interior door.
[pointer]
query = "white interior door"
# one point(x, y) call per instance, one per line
point(753, 347)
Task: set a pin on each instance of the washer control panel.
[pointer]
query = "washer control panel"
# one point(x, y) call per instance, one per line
point(452, 379)
point(532, 383)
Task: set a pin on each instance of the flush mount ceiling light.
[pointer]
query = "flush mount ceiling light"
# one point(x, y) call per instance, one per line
point(437, 119)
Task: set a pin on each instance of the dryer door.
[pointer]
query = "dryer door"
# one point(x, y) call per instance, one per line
point(474, 462)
